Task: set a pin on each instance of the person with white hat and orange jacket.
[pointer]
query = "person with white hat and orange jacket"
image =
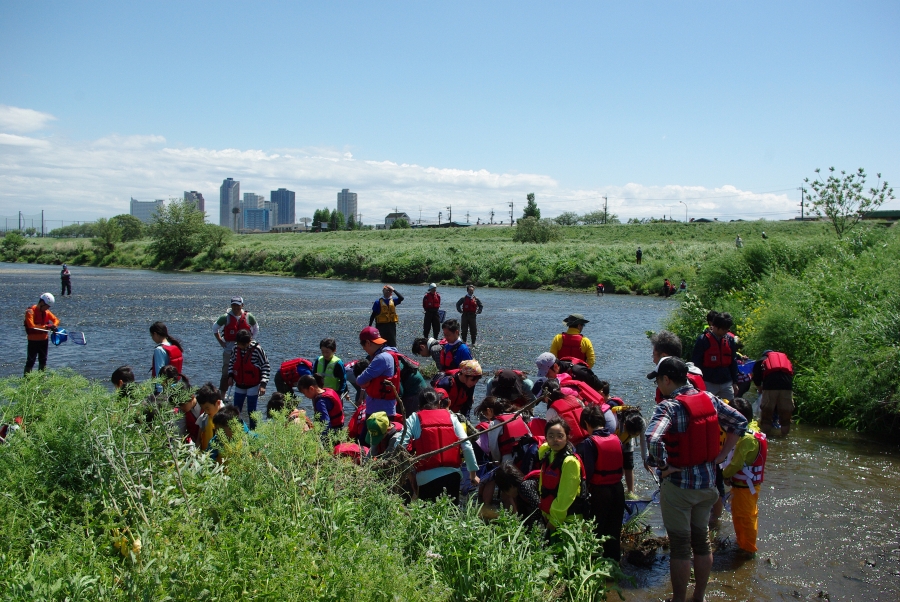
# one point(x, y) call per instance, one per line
point(39, 322)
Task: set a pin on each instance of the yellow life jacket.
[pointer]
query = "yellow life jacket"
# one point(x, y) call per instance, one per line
point(388, 312)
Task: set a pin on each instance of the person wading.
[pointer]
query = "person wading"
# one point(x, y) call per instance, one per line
point(431, 303)
point(225, 330)
point(65, 277)
point(384, 314)
point(573, 344)
point(469, 307)
point(38, 321)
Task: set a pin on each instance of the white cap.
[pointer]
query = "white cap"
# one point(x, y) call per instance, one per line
point(432, 286)
point(48, 298)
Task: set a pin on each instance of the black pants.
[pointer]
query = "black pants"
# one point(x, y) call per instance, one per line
point(468, 322)
point(66, 286)
point(388, 332)
point(607, 510)
point(432, 322)
point(37, 350)
point(281, 386)
point(447, 485)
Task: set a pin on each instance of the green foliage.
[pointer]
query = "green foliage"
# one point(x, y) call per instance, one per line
point(400, 224)
point(531, 208)
point(177, 232)
point(88, 477)
point(595, 218)
point(215, 238)
point(132, 228)
point(74, 231)
point(531, 229)
point(107, 233)
point(351, 223)
point(12, 245)
point(336, 221)
point(843, 199)
point(567, 218)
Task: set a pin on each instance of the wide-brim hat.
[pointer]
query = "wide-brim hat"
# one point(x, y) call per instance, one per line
point(575, 320)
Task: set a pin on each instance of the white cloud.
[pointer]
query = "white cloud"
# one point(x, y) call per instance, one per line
point(73, 180)
point(15, 119)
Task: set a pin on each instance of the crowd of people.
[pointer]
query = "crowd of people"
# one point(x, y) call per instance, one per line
point(577, 459)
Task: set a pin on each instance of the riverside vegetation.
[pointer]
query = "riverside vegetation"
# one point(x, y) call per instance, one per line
point(97, 503)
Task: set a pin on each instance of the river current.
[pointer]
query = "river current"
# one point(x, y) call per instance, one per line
point(829, 526)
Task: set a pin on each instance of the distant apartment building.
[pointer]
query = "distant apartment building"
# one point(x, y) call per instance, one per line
point(274, 213)
point(229, 199)
point(257, 219)
point(346, 203)
point(284, 199)
point(197, 199)
point(145, 210)
point(253, 200)
point(393, 217)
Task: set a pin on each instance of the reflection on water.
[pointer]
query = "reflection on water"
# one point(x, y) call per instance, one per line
point(828, 511)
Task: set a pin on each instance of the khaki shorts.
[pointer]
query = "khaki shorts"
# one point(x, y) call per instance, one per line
point(780, 402)
point(683, 508)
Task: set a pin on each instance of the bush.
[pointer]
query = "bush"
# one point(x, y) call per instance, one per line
point(12, 245)
point(532, 229)
point(178, 231)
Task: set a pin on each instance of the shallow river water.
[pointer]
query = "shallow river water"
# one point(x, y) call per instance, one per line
point(829, 520)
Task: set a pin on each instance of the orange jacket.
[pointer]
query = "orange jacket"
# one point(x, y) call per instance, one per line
point(39, 318)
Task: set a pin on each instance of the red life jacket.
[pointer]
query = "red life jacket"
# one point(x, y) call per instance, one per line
point(571, 347)
point(569, 409)
point(700, 442)
point(695, 379)
point(289, 372)
point(550, 476)
point(437, 432)
point(447, 352)
point(538, 427)
point(719, 353)
point(335, 410)
point(469, 305)
point(350, 450)
point(356, 427)
point(233, 324)
point(376, 388)
point(777, 361)
point(608, 468)
point(588, 394)
point(758, 468)
point(511, 433)
point(246, 374)
point(431, 301)
point(458, 394)
point(175, 358)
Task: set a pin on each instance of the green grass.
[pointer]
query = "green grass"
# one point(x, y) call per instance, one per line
point(486, 256)
point(283, 521)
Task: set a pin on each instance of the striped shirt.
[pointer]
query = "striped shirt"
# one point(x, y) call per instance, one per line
point(257, 358)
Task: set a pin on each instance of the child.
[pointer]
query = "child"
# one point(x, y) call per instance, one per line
point(331, 367)
point(630, 425)
point(745, 469)
point(210, 404)
point(223, 420)
point(561, 476)
point(327, 404)
point(518, 495)
point(248, 371)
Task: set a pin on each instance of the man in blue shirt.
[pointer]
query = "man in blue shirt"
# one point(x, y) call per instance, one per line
point(384, 365)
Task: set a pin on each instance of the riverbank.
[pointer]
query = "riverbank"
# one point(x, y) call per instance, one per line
point(485, 256)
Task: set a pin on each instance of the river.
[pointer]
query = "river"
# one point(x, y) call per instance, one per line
point(829, 508)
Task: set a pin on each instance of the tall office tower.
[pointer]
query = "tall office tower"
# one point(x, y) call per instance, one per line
point(253, 200)
point(197, 199)
point(346, 203)
point(145, 210)
point(286, 205)
point(229, 198)
point(273, 210)
point(257, 219)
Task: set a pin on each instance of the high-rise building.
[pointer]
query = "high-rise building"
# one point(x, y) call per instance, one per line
point(286, 205)
point(253, 200)
point(274, 213)
point(346, 203)
point(229, 199)
point(197, 199)
point(145, 210)
point(257, 219)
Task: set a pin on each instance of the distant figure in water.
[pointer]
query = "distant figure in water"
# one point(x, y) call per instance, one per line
point(600, 289)
point(65, 277)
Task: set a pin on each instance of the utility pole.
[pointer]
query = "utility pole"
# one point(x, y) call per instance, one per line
point(802, 200)
point(42, 223)
point(492, 217)
point(420, 215)
point(510, 213)
point(450, 215)
point(467, 217)
point(605, 214)
point(440, 214)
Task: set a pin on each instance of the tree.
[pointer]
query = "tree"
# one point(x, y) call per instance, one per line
point(132, 228)
point(842, 200)
point(214, 238)
point(107, 233)
point(351, 222)
point(530, 229)
point(569, 218)
point(12, 244)
point(336, 222)
point(400, 224)
point(531, 208)
point(32, 231)
point(177, 231)
point(595, 218)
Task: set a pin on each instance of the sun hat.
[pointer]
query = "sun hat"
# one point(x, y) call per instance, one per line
point(575, 320)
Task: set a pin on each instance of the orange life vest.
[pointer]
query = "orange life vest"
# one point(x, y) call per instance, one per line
point(719, 353)
point(437, 432)
point(569, 409)
point(335, 408)
point(511, 433)
point(550, 477)
point(700, 442)
point(777, 361)
point(176, 358)
point(608, 467)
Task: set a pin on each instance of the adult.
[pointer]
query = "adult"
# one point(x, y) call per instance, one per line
point(168, 351)
point(453, 349)
point(431, 303)
point(739, 242)
point(773, 374)
point(668, 289)
point(572, 343)
point(600, 289)
point(384, 314)
point(460, 386)
point(638, 255)
point(714, 354)
point(65, 277)
point(469, 307)
point(331, 367)
point(667, 344)
point(248, 371)
point(683, 444)
point(429, 430)
point(225, 330)
point(384, 367)
point(39, 322)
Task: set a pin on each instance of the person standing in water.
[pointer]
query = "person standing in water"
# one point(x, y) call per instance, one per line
point(65, 277)
point(225, 330)
point(39, 321)
point(384, 314)
point(469, 307)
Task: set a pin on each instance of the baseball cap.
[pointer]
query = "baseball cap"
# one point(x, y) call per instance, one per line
point(371, 334)
point(237, 300)
point(672, 367)
point(544, 362)
point(48, 298)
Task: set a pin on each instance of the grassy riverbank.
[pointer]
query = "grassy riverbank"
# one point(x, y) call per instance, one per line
point(487, 256)
point(87, 480)
point(832, 306)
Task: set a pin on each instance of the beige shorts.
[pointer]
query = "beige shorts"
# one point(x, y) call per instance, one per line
point(683, 508)
point(779, 402)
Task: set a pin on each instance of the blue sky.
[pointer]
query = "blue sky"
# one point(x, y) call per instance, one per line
point(725, 106)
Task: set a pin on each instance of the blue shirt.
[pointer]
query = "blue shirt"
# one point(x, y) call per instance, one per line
point(381, 366)
point(461, 353)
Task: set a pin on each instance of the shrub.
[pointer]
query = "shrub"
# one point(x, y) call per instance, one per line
point(532, 229)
